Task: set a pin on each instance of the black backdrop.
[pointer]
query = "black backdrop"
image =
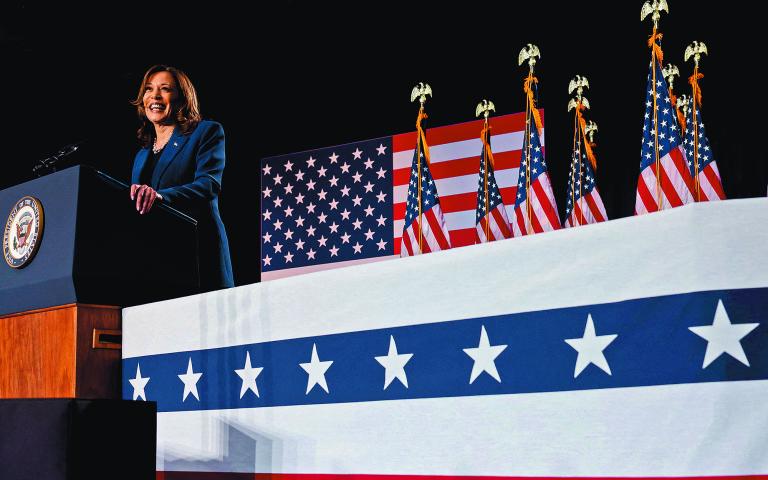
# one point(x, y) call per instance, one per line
point(290, 76)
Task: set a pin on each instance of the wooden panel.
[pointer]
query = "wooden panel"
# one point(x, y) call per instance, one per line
point(48, 353)
point(98, 370)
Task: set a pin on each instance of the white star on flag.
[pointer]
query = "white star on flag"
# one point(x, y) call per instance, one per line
point(723, 337)
point(138, 383)
point(190, 380)
point(249, 375)
point(484, 356)
point(590, 348)
point(394, 364)
point(316, 371)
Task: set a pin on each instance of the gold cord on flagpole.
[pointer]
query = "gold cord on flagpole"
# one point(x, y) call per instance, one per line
point(655, 7)
point(530, 52)
point(485, 164)
point(573, 164)
point(579, 83)
point(656, 129)
point(695, 49)
point(484, 108)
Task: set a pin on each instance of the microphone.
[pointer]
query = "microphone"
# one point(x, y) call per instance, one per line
point(48, 165)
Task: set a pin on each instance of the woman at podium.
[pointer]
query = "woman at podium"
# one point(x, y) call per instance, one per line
point(181, 163)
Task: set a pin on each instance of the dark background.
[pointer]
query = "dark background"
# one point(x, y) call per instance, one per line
point(289, 76)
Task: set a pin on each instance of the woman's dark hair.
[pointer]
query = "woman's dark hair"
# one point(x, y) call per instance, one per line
point(185, 110)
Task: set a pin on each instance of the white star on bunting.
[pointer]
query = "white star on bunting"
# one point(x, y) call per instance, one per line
point(138, 383)
point(590, 348)
point(316, 371)
point(249, 375)
point(723, 337)
point(394, 364)
point(484, 357)
point(190, 380)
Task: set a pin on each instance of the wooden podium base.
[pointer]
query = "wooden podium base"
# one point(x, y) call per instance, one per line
point(61, 352)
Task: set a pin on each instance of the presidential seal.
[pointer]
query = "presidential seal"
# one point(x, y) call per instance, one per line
point(23, 232)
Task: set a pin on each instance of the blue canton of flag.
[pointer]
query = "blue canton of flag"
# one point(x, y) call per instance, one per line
point(327, 205)
point(429, 233)
point(673, 177)
point(709, 181)
point(495, 221)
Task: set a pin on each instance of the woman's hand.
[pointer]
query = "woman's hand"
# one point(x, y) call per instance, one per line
point(145, 197)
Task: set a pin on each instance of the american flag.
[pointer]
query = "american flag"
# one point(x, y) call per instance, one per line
point(584, 204)
point(673, 176)
point(424, 230)
point(493, 225)
point(708, 178)
point(454, 158)
point(331, 205)
point(539, 212)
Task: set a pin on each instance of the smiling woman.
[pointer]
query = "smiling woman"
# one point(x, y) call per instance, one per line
point(181, 163)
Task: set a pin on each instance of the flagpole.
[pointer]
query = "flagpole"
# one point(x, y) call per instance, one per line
point(527, 164)
point(420, 91)
point(418, 160)
point(530, 52)
point(656, 127)
point(695, 136)
point(655, 7)
point(484, 108)
point(581, 175)
point(695, 49)
point(573, 164)
point(485, 164)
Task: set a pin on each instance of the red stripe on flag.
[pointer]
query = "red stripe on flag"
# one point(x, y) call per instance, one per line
point(714, 181)
point(483, 223)
point(594, 208)
point(462, 237)
point(678, 158)
point(420, 241)
point(546, 203)
point(508, 195)
point(459, 167)
point(458, 203)
point(645, 194)
point(353, 476)
point(406, 243)
point(437, 230)
point(669, 190)
point(501, 222)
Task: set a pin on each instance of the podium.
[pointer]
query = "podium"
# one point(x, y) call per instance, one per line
point(60, 312)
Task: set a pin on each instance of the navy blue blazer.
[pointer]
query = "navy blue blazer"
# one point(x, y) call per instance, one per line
point(188, 176)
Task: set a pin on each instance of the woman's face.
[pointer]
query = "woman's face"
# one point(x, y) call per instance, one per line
point(160, 94)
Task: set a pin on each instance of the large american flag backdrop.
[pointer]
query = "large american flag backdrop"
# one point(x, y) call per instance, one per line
point(346, 204)
point(637, 357)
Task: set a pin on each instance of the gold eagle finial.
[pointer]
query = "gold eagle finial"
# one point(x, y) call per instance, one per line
point(695, 49)
point(484, 108)
point(578, 83)
point(670, 72)
point(420, 91)
point(590, 130)
point(530, 52)
point(655, 7)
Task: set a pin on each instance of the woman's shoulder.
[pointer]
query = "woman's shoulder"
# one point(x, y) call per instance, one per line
point(208, 126)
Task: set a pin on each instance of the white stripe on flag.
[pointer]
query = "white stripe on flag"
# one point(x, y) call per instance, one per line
point(504, 142)
point(460, 185)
